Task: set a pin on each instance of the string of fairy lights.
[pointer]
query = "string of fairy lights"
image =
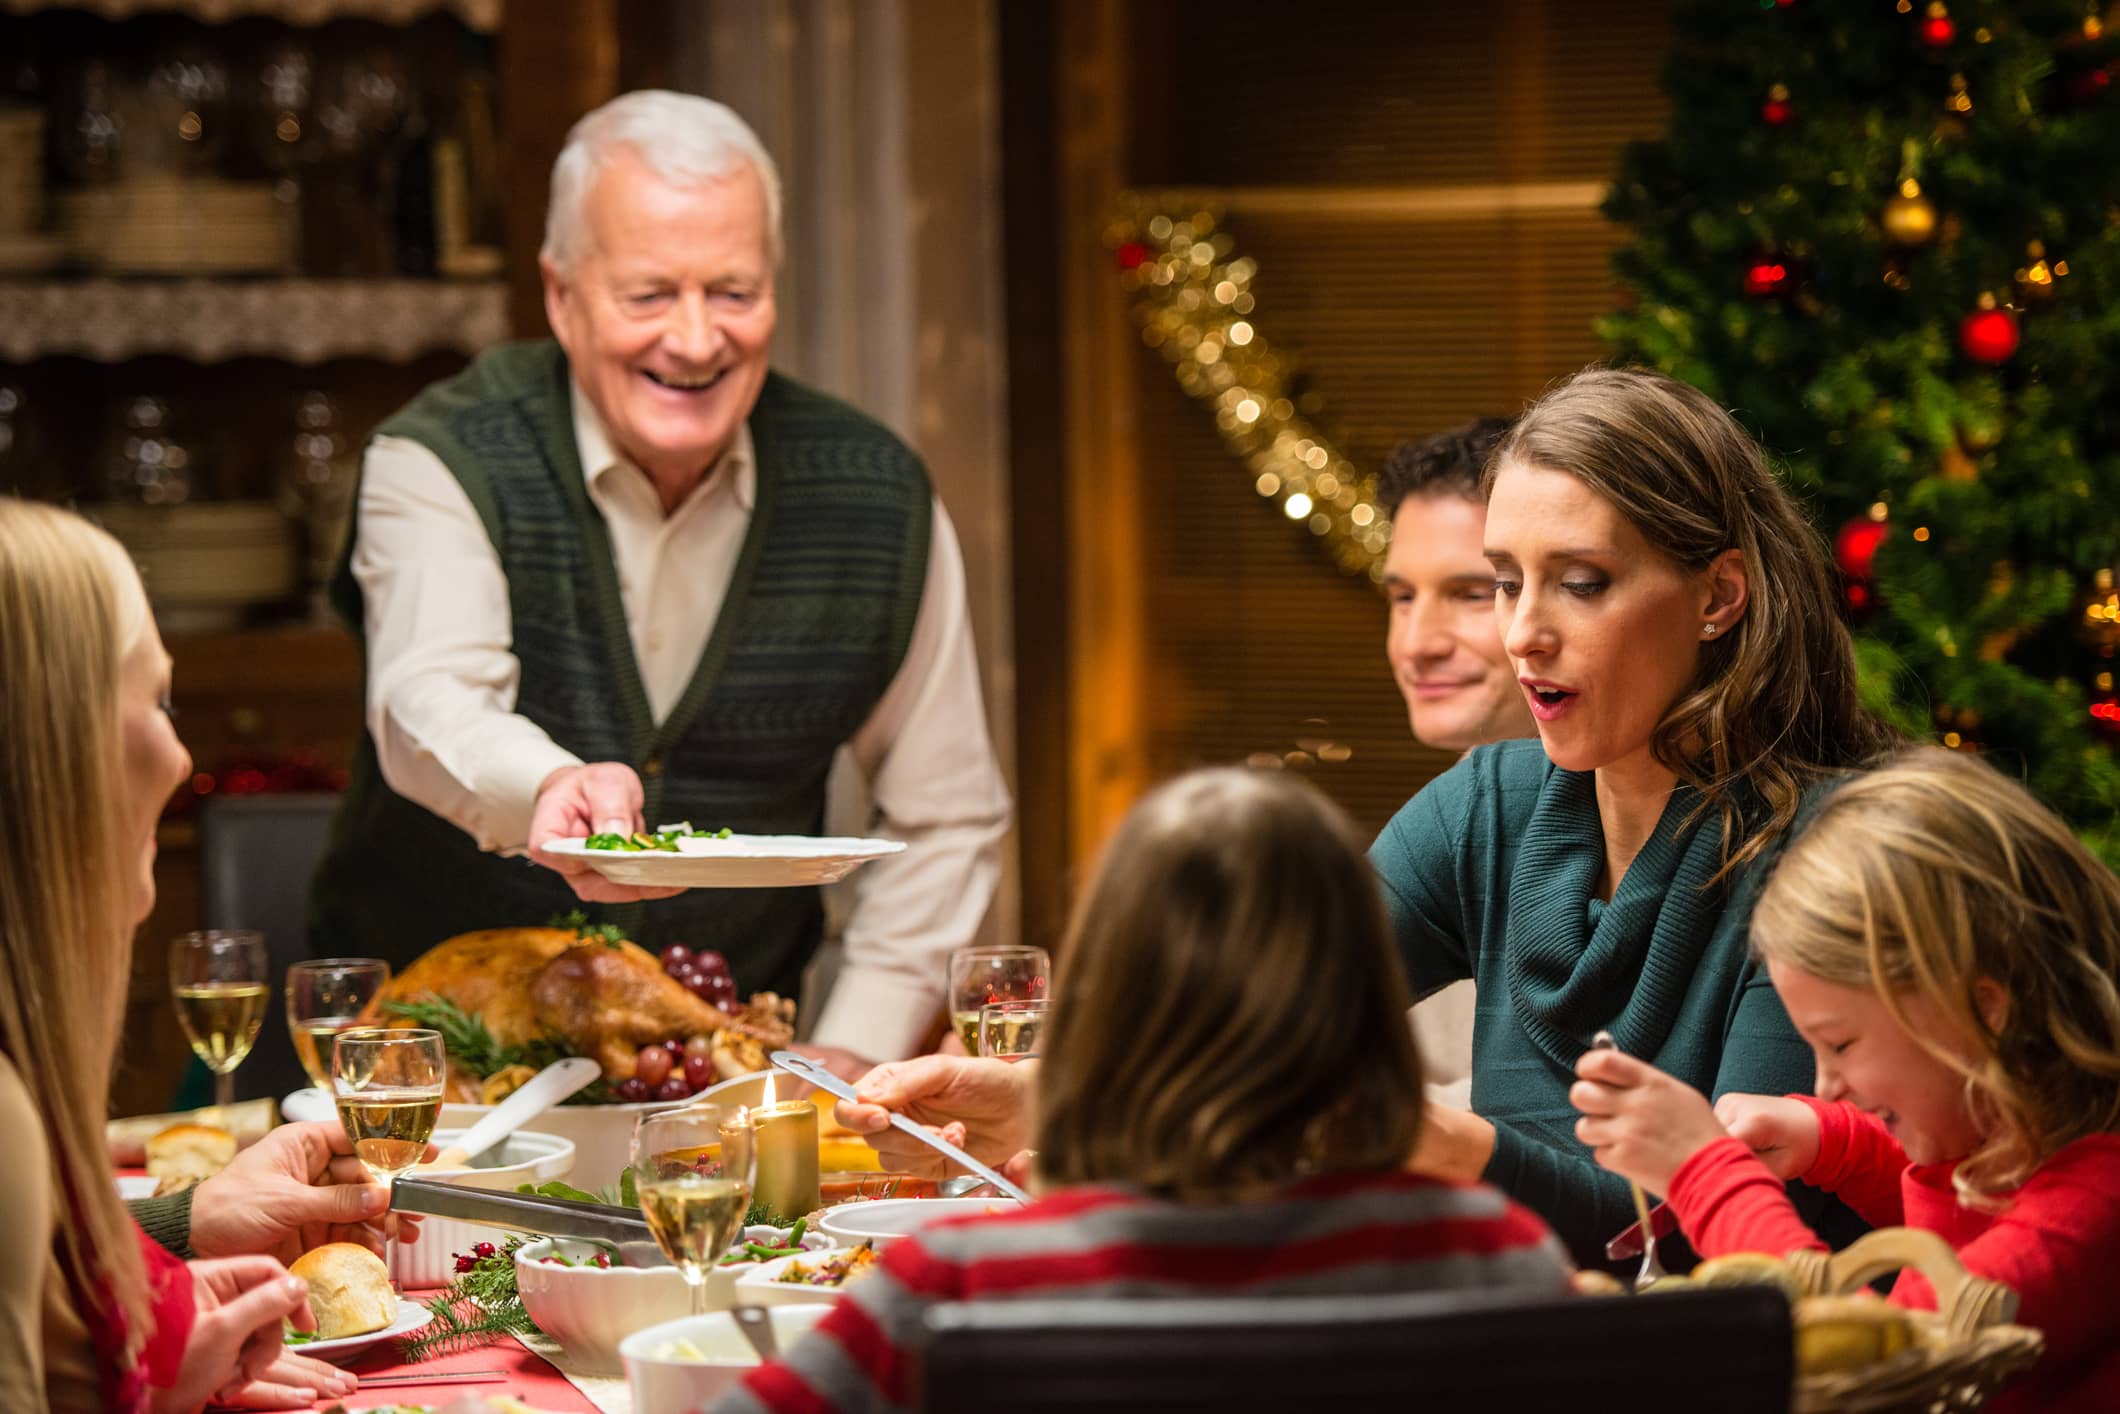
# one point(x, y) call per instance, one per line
point(1192, 297)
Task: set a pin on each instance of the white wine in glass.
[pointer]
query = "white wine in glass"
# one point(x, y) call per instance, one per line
point(388, 1084)
point(1009, 1030)
point(982, 974)
point(693, 1170)
point(325, 997)
point(219, 980)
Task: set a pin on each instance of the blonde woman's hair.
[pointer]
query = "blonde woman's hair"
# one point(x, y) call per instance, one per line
point(1229, 1013)
point(71, 608)
point(1925, 877)
point(1773, 706)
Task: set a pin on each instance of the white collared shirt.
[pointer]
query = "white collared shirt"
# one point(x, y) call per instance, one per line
point(442, 680)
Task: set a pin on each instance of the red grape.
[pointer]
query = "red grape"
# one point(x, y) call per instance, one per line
point(721, 992)
point(651, 1065)
point(699, 1046)
point(675, 957)
point(633, 1090)
point(711, 961)
point(676, 1048)
point(673, 1088)
point(699, 1071)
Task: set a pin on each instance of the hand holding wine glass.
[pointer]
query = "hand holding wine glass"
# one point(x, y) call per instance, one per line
point(389, 1089)
point(325, 997)
point(693, 1169)
point(219, 980)
point(979, 975)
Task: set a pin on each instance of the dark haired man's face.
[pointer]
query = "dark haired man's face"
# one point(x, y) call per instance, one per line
point(1445, 651)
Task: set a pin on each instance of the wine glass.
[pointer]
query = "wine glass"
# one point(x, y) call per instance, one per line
point(325, 997)
point(982, 974)
point(1009, 1030)
point(220, 983)
point(389, 1088)
point(693, 1169)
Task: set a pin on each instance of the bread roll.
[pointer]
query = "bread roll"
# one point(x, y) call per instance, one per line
point(1848, 1332)
point(349, 1289)
point(185, 1155)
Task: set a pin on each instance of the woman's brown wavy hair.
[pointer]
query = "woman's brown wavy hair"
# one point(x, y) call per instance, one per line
point(1773, 706)
point(1932, 873)
point(1230, 1014)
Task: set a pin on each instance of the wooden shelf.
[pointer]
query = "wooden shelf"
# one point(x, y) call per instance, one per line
point(481, 15)
point(208, 321)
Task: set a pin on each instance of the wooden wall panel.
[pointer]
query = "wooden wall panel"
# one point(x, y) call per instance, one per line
point(1418, 182)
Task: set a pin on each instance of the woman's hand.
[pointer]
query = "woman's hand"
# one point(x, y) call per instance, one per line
point(238, 1304)
point(1782, 1134)
point(297, 1188)
point(981, 1106)
point(1642, 1124)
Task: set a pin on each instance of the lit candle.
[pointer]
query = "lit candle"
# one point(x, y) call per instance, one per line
point(786, 1137)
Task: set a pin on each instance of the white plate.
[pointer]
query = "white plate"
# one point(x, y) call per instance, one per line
point(411, 1317)
point(137, 1185)
point(738, 862)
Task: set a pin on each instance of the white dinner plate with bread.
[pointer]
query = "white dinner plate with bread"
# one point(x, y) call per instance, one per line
point(355, 1305)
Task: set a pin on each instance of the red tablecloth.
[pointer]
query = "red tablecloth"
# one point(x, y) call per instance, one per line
point(530, 1377)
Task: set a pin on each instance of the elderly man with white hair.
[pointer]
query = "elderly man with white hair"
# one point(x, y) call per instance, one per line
point(631, 575)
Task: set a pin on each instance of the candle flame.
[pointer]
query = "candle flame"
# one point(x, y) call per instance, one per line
point(766, 1101)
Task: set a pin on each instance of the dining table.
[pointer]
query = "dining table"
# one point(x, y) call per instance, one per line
point(528, 1368)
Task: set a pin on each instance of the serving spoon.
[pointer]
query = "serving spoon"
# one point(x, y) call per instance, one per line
point(532, 1098)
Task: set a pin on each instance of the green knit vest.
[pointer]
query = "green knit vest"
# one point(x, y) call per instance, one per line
point(818, 614)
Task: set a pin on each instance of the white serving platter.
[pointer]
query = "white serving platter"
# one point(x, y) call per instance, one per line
point(738, 862)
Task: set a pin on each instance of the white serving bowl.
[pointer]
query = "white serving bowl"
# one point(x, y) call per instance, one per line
point(667, 1386)
point(888, 1219)
point(590, 1309)
point(760, 1285)
point(525, 1156)
point(602, 1135)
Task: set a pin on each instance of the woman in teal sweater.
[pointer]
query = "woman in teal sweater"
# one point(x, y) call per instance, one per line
point(1673, 624)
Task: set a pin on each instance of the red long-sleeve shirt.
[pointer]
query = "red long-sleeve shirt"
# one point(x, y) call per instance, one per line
point(2056, 1243)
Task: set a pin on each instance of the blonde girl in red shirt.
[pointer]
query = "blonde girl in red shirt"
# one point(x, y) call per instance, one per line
point(1950, 951)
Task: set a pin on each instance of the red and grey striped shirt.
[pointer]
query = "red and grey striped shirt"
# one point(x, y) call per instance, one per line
point(1347, 1234)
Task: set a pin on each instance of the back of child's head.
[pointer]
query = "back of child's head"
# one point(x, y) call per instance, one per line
point(1229, 1012)
point(1934, 872)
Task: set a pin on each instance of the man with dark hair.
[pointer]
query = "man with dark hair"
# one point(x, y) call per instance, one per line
point(1448, 661)
point(1460, 688)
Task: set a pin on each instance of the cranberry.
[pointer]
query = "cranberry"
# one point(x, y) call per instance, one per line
point(676, 957)
point(603, 1259)
point(673, 1088)
point(651, 1065)
point(699, 1071)
point(465, 1263)
point(484, 1249)
point(633, 1090)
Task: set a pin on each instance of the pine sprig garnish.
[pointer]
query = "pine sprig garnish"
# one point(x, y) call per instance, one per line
point(471, 1045)
point(480, 1306)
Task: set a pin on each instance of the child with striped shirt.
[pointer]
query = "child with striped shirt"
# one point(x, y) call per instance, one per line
point(1227, 1098)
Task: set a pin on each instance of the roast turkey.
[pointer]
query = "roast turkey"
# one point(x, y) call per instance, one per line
point(602, 1000)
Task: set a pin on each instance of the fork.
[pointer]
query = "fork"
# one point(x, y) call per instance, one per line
point(1652, 1270)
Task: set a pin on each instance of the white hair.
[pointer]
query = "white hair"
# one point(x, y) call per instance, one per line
point(686, 140)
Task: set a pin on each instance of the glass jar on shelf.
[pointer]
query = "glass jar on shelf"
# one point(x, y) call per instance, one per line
point(147, 464)
point(314, 485)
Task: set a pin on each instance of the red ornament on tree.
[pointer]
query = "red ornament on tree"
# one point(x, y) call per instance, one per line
point(1937, 29)
point(2105, 716)
point(1767, 277)
point(1855, 548)
point(1131, 255)
point(1777, 111)
point(1989, 335)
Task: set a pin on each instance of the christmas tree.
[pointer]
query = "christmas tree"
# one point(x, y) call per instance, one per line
point(1888, 237)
